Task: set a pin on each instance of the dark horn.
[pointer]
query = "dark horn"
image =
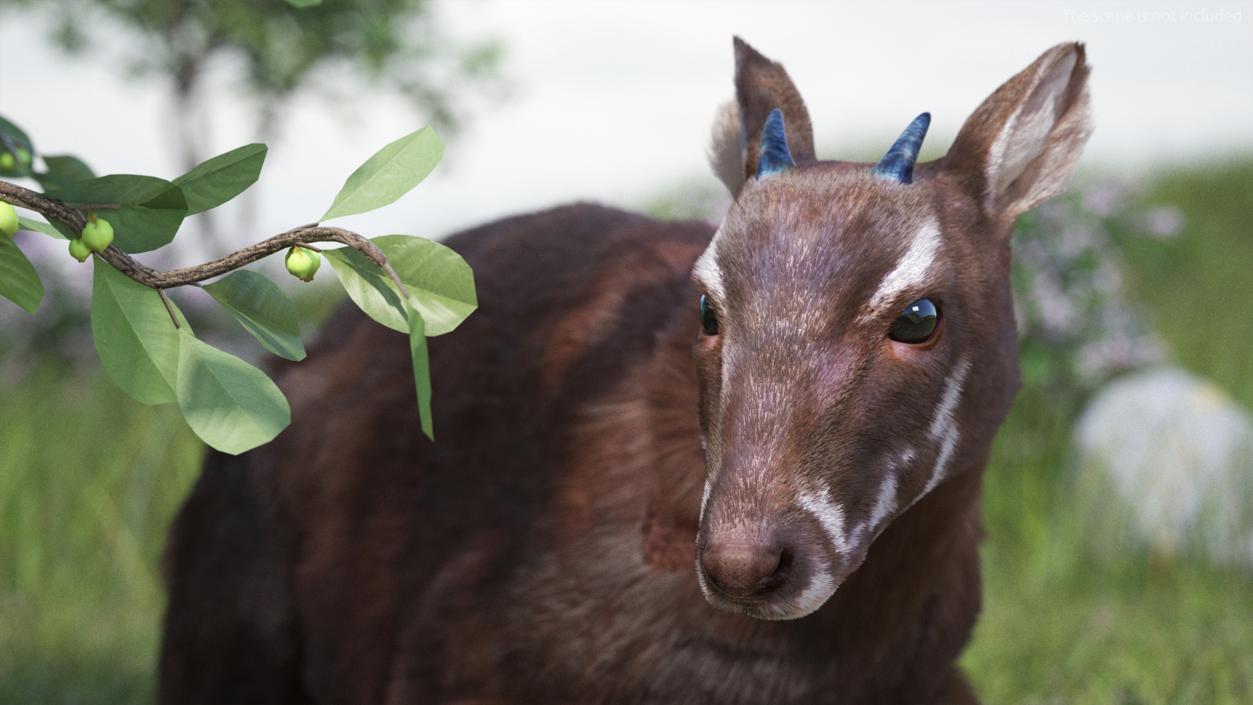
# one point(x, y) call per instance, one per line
point(898, 163)
point(775, 156)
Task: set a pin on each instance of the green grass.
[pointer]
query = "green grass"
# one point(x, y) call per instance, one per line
point(89, 481)
point(1062, 625)
point(1200, 286)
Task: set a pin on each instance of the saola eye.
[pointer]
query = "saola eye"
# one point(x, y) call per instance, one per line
point(708, 320)
point(917, 324)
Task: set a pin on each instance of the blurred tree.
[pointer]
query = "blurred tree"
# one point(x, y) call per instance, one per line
point(395, 44)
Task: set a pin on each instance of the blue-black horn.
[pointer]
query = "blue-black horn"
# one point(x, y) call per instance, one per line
point(898, 163)
point(775, 156)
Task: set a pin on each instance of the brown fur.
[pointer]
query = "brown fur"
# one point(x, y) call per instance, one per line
point(543, 550)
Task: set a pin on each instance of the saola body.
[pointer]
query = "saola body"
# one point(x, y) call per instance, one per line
point(675, 464)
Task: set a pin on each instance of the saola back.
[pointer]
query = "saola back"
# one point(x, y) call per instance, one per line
point(616, 461)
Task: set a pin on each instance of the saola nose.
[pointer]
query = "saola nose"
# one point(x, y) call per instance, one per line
point(742, 570)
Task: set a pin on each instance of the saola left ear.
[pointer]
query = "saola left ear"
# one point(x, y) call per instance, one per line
point(1021, 145)
point(761, 86)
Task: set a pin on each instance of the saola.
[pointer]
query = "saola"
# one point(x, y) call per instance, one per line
point(675, 465)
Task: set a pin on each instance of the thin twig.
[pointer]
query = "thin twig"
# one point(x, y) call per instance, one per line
point(165, 299)
point(63, 212)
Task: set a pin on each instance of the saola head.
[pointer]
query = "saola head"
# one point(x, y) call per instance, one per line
point(858, 340)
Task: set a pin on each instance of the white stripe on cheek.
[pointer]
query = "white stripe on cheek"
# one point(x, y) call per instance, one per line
point(886, 501)
point(829, 514)
point(943, 425)
point(947, 446)
point(952, 394)
point(911, 271)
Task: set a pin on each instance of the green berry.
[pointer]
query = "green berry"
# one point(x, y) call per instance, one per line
point(23, 157)
point(303, 263)
point(79, 250)
point(8, 219)
point(97, 235)
point(7, 162)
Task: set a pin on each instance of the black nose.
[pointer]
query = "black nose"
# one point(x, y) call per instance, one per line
point(741, 570)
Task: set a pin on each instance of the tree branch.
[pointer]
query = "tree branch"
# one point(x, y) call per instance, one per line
point(63, 212)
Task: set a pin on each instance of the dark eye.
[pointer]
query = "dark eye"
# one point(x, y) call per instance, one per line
point(708, 321)
point(916, 324)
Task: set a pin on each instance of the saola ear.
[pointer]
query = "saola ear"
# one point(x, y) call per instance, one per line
point(761, 85)
point(1021, 145)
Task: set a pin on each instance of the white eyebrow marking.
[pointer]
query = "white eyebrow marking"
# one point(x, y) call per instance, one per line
point(912, 268)
point(709, 273)
point(829, 514)
point(943, 427)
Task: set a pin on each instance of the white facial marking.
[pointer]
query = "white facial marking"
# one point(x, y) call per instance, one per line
point(952, 394)
point(709, 273)
point(943, 427)
point(704, 500)
point(911, 271)
point(947, 445)
point(885, 502)
point(829, 514)
point(821, 587)
point(700, 580)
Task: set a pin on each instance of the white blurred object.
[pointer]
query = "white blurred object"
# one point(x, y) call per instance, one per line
point(1165, 461)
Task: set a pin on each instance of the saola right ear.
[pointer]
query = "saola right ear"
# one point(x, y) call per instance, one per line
point(1021, 145)
point(761, 85)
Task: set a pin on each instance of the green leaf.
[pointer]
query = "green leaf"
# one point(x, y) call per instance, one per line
point(389, 174)
point(221, 178)
point(262, 309)
point(421, 369)
point(368, 287)
point(440, 282)
point(19, 282)
point(38, 226)
point(149, 213)
point(304, 3)
point(13, 137)
point(231, 405)
point(135, 338)
point(63, 170)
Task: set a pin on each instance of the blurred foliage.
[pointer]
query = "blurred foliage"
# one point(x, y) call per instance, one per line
point(1196, 286)
point(1078, 324)
point(395, 44)
point(89, 481)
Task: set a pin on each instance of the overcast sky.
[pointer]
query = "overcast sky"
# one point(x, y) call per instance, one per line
point(612, 100)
